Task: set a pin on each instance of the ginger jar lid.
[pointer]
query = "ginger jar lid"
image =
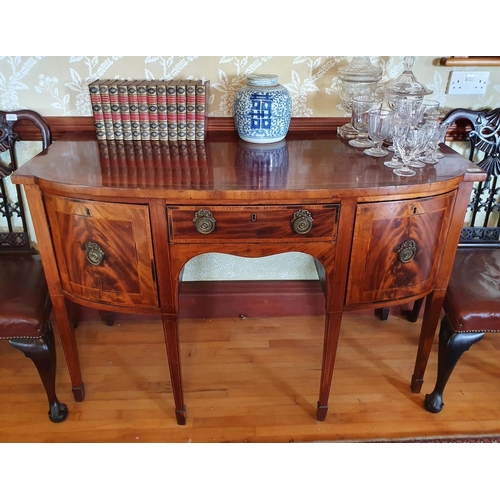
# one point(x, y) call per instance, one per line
point(262, 80)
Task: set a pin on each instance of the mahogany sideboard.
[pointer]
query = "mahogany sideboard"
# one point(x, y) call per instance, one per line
point(117, 221)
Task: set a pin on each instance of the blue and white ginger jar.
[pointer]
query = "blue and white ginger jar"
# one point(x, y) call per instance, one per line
point(262, 110)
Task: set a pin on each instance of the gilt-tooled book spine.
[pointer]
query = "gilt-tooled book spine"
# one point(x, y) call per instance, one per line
point(124, 110)
point(202, 91)
point(161, 95)
point(106, 108)
point(133, 104)
point(95, 102)
point(116, 116)
point(142, 98)
point(154, 133)
point(172, 110)
point(181, 110)
point(191, 110)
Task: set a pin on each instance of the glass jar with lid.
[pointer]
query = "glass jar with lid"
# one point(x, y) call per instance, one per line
point(359, 77)
point(406, 85)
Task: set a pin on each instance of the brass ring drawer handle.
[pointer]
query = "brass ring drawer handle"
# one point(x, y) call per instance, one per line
point(94, 253)
point(204, 222)
point(407, 251)
point(302, 221)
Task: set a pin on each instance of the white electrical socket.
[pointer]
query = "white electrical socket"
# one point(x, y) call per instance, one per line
point(468, 82)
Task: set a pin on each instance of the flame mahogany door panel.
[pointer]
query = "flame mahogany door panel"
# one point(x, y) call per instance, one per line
point(104, 251)
point(397, 247)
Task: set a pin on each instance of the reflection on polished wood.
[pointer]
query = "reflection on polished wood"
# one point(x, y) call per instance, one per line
point(252, 380)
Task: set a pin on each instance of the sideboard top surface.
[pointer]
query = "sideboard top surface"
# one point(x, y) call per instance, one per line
point(315, 167)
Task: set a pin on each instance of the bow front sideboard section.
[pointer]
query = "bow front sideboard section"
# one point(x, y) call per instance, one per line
point(116, 223)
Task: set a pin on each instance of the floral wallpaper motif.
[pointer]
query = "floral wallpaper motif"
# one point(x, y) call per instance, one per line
point(58, 86)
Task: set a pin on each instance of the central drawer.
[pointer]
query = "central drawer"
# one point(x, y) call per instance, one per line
point(253, 224)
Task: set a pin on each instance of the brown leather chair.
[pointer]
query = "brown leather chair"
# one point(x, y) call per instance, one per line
point(24, 300)
point(472, 301)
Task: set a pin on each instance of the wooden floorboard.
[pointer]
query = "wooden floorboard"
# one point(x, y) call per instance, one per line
point(250, 380)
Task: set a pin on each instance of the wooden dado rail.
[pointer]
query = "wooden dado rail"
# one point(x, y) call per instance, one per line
point(61, 124)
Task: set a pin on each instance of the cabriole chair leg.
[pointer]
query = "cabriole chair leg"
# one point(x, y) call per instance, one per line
point(451, 346)
point(42, 352)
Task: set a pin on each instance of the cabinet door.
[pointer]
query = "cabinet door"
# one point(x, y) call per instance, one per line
point(104, 250)
point(396, 247)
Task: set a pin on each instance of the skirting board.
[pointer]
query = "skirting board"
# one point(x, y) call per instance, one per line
point(228, 299)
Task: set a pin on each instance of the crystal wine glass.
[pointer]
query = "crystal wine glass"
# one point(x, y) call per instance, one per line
point(443, 129)
point(361, 105)
point(409, 109)
point(436, 135)
point(430, 109)
point(379, 127)
point(406, 140)
point(423, 135)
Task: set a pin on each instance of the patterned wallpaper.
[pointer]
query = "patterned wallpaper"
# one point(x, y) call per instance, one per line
point(57, 86)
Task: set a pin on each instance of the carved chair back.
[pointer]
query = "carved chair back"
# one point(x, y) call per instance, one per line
point(472, 301)
point(482, 220)
point(24, 300)
point(14, 236)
